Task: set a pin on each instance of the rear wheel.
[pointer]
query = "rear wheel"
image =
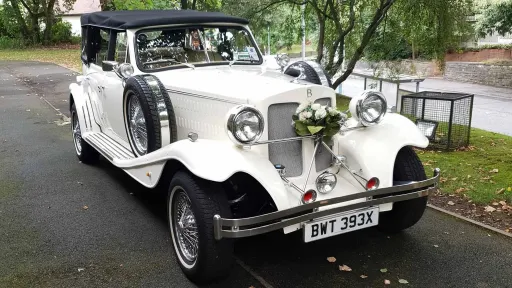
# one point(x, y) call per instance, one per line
point(405, 214)
point(192, 203)
point(85, 152)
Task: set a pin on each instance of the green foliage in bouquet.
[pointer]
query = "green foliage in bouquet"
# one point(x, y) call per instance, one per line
point(315, 119)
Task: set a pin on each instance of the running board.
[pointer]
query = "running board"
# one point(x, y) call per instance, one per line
point(109, 148)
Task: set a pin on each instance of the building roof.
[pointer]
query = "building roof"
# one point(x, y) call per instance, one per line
point(136, 19)
point(81, 7)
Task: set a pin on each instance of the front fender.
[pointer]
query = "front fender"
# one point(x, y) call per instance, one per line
point(374, 149)
point(211, 160)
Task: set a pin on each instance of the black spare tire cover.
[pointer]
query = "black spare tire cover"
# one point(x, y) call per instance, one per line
point(157, 110)
point(313, 72)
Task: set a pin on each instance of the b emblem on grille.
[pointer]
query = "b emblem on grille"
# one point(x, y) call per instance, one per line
point(310, 93)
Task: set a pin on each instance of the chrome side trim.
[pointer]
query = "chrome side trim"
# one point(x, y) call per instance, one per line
point(161, 107)
point(83, 112)
point(412, 190)
point(203, 96)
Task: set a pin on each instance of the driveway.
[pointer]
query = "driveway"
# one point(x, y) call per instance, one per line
point(67, 224)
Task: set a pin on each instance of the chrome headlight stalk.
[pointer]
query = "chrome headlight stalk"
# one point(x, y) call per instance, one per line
point(369, 108)
point(245, 125)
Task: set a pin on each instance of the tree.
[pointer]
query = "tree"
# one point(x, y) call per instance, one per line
point(496, 18)
point(428, 27)
point(35, 11)
point(341, 24)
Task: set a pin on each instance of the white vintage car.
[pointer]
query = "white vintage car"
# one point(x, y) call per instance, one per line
point(183, 101)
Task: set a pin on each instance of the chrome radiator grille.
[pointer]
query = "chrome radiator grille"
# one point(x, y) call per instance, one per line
point(289, 154)
point(280, 126)
point(323, 157)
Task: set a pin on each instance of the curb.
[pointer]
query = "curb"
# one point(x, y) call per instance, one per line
point(476, 223)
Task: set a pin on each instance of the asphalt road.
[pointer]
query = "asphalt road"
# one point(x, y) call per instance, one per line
point(49, 239)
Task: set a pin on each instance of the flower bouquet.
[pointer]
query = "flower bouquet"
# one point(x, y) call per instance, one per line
point(315, 119)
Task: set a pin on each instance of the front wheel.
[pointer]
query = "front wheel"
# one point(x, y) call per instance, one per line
point(405, 214)
point(192, 203)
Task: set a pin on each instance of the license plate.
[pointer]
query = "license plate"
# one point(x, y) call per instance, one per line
point(342, 223)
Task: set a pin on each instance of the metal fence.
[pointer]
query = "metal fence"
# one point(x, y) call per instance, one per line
point(444, 118)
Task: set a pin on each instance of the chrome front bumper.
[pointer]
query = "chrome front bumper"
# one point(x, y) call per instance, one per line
point(245, 227)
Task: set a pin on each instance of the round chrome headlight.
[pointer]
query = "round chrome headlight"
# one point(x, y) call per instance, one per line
point(326, 182)
point(245, 124)
point(369, 108)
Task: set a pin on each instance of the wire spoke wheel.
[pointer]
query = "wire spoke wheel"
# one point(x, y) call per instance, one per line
point(185, 226)
point(77, 133)
point(137, 124)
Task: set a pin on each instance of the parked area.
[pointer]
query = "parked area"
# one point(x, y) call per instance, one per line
point(112, 232)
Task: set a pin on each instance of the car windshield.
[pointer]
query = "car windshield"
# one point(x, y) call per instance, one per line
point(167, 47)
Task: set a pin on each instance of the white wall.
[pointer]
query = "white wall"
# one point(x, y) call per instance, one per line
point(76, 28)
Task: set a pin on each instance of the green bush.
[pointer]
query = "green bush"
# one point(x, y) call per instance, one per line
point(61, 33)
point(11, 43)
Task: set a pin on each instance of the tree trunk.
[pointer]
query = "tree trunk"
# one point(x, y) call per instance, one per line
point(36, 38)
point(49, 20)
point(321, 39)
point(19, 18)
point(184, 4)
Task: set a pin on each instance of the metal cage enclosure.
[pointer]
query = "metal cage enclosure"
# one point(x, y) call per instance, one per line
point(444, 118)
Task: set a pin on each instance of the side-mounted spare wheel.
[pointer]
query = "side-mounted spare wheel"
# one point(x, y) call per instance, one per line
point(312, 72)
point(192, 203)
point(149, 114)
point(405, 214)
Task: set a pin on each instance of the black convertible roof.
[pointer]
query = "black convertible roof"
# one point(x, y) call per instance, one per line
point(136, 19)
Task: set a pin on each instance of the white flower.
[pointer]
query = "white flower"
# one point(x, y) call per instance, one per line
point(302, 116)
point(320, 114)
point(316, 106)
point(309, 115)
point(302, 106)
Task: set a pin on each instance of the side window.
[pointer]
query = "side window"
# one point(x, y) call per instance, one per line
point(102, 52)
point(121, 48)
point(84, 44)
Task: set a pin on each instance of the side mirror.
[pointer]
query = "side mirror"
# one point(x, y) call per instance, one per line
point(109, 66)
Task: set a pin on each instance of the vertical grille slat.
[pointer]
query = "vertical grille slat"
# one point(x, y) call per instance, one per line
point(280, 126)
point(323, 158)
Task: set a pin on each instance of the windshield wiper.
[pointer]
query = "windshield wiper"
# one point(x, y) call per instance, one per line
point(186, 64)
point(170, 60)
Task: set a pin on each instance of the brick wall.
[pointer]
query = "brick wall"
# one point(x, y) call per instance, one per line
point(479, 56)
point(493, 75)
point(409, 67)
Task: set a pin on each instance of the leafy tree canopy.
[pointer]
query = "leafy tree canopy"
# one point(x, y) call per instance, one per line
point(496, 18)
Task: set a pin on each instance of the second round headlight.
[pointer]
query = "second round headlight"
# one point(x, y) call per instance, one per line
point(245, 125)
point(370, 108)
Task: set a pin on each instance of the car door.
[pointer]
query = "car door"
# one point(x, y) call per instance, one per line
point(94, 74)
point(113, 91)
point(106, 87)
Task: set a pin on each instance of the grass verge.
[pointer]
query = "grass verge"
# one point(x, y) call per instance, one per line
point(69, 58)
point(481, 172)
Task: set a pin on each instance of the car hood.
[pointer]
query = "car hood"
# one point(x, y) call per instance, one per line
point(238, 84)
